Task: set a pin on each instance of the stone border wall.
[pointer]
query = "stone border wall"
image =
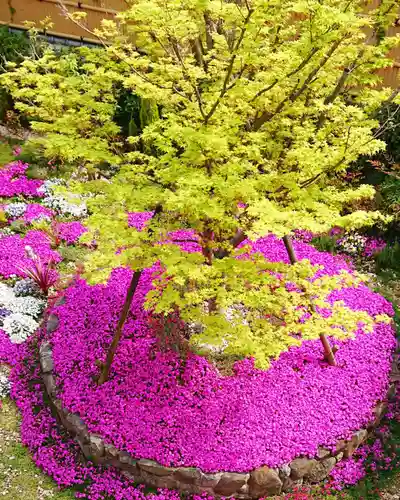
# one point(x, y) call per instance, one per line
point(259, 482)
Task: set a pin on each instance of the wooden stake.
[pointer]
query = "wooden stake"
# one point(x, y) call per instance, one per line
point(329, 353)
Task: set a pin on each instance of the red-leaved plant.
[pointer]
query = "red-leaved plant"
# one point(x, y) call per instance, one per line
point(42, 273)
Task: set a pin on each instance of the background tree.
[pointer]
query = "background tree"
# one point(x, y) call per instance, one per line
point(261, 108)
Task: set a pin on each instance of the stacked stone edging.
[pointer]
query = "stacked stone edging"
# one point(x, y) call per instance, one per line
point(262, 481)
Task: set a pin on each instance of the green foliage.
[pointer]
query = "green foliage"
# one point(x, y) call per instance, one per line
point(379, 167)
point(252, 103)
point(390, 191)
point(13, 46)
point(5, 153)
point(18, 226)
point(324, 243)
point(389, 257)
point(70, 100)
point(127, 113)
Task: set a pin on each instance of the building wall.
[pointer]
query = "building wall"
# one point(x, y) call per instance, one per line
point(15, 12)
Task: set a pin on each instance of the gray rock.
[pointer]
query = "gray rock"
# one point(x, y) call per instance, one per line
point(76, 425)
point(165, 482)
point(52, 323)
point(96, 445)
point(110, 450)
point(46, 358)
point(264, 481)
point(300, 467)
point(210, 480)
point(323, 453)
point(124, 457)
point(60, 301)
point(287, 484)
point(230, 483)
point(50, 384)
point(357, 438)
point(155, 468)
point(379, 412)
point(188, 475)
point(320, 470)
point(284, 471)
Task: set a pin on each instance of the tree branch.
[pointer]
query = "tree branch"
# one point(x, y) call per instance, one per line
point(288, 75)
point(267, 115)
point(208, 29)
point(230, 68)
point(235, 241)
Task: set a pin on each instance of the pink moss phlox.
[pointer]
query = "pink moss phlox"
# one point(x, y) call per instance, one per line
point(304, 235)
point(211, 421)
point(139, 219)
point(35, 211)
point(13, 182)
point(70, 232)
point(373, 246)
point(348, 472)
point(8, 350)
point(55, 453)
point(13, 255)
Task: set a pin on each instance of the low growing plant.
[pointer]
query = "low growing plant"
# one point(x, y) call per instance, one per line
point(42, 273)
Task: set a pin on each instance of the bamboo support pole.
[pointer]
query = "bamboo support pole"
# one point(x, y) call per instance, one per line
point(328, 351)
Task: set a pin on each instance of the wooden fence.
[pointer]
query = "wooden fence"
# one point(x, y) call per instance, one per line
point(15, 12)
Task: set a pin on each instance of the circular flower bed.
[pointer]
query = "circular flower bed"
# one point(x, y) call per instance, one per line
point(155, 406)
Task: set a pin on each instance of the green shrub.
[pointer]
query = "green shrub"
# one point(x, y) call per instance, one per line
point(390, 191)
point(324, 243)
point(13, 47)
point(389, 257)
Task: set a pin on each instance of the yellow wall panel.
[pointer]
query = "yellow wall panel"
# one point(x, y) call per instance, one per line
point(15, 12)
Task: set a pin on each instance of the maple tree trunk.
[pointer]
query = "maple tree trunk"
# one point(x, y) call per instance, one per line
point(329, 354)
point(106, 366)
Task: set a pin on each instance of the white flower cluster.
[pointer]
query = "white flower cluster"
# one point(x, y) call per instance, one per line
point(6, 295)
point(5, 386)
point(14, 210)
point(25, 287)
point(352, 244)
point(47, 188)
point(27, 305)
point(59, 203)
point(6, 231)
point(23, 314)
point(19, 327)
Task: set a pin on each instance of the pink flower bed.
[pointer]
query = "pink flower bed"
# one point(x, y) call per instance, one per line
point(139, 219)
point(59, 457)
point(35, 211)
point(70, 232)
point(373, 246)
point(13, 182)
point(55, 453)
point(233, 423)
point(13, 256)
